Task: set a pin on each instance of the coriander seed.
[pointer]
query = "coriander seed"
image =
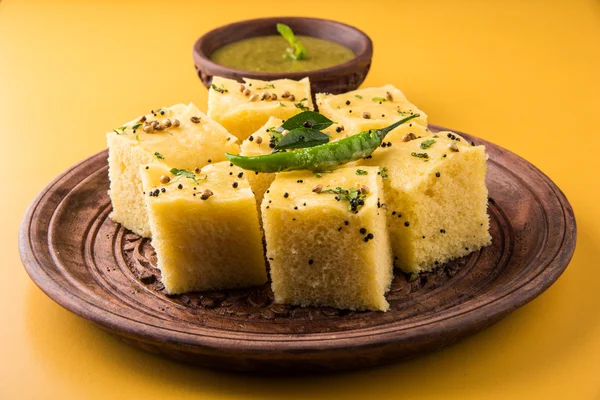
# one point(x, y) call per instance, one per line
point(195, 120)
point(408, 137)
point(165, 179)
point(206, 194)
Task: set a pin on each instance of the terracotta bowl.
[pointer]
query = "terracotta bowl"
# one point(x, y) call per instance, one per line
point(337, 79)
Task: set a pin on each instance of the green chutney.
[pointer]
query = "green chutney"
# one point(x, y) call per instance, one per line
point(267, 54)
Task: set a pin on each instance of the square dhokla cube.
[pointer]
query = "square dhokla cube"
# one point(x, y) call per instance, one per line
point(436, 198)
point(369, 108)
point(204, 228)
point(243, 108)
point(320, 251)
point(192, 140)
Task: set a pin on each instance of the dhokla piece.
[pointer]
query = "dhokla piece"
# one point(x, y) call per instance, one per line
point(260, 143)
point(327, 242)
point(436, 198)
point(369, 108)
point(179, 136)
point(243, 108)
point(204, 227)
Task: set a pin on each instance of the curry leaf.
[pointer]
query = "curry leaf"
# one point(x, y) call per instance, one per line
point(302, 137)
point(307, 119)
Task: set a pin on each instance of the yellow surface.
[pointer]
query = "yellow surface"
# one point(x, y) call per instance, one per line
point(349, 111)
point(204, 243)
point(442, 198)
point(188, 146)
point(344, 270)
point(243, 113)
point(524, 75)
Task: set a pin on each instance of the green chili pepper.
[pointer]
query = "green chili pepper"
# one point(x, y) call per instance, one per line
point(318, 158)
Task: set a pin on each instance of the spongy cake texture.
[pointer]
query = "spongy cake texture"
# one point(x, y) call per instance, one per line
point(204, 243)
point(187, 146)
point(322, 253)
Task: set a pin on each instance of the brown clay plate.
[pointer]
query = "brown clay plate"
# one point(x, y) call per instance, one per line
point(106, 274)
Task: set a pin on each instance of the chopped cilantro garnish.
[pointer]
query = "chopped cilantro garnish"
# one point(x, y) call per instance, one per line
point(186, 174)
point(361, 172)
point(427, 143)
point(158, 155)
point(218, 89)
point(355, 197)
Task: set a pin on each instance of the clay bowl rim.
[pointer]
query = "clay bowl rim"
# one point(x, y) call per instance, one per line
point(203, 62)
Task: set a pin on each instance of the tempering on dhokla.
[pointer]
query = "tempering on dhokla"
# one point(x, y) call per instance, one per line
point(327, 242)
point(242, 108)
point(205, 227)
point(179, 136)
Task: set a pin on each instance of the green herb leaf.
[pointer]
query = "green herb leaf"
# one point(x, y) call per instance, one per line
point(355, 197)
point(427, 143)
point(184, 173)
point(136, 127)
point(384, 173)
point(361, 172)
point(301, 138)
point(307, 119)
point(404, 112)
point(379, 99)
point(137, 138)
point(297, 51)
point(303, 99)
point(281, 104)
point(267, 86)
point(419, 155)
point(301, 106)
point(158, 155)
point(218, 89)
point(358, 96)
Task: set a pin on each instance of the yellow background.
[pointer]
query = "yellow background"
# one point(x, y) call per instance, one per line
point(524, 75)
